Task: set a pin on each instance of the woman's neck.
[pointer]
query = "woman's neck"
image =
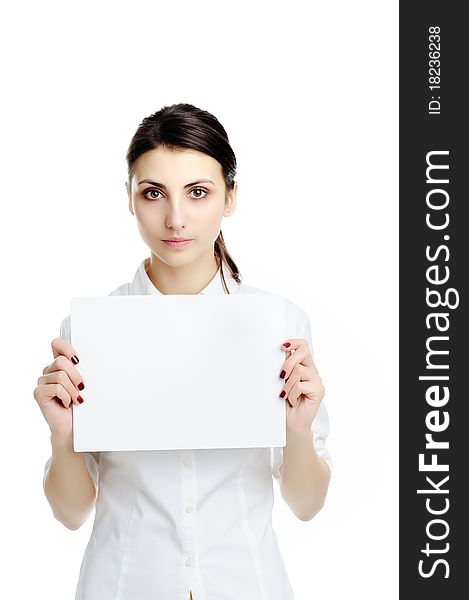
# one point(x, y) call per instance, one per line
point(189, 279)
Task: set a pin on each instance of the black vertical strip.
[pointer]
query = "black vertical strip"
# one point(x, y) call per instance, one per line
point(434, 269)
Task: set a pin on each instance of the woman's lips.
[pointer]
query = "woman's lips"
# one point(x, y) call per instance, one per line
point(176, 244)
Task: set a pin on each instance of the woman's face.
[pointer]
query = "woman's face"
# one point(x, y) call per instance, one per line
point(183, 195)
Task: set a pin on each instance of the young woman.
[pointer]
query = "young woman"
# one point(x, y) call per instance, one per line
point(185, 524)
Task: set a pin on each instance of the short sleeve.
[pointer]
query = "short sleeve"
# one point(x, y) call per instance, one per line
point(92, 464)
point(65, 329)
point(320, 424)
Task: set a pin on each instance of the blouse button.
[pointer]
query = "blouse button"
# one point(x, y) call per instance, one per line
point(188, 563)
point(187, 462)
point(188, 509)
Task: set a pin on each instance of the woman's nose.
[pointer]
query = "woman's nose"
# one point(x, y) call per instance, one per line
point(175, 217)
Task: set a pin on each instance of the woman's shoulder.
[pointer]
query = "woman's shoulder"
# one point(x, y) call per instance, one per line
point(295, 314)
point(65, 326)
point(122, 290)
point(250, 289)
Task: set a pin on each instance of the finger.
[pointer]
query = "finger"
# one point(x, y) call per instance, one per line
point(287, 355)
point(61, 363)
point(301, 354)
point(305, 388)
point(63, 379)
point(59, 393)
point(311, 390)
point(62, 347)
point(297, 374)
point(287, 352)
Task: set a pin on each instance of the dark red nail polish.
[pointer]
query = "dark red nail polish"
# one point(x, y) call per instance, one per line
point(80, 399)
point(282, 374)
point(81, 386)
point(287, 344)
point(282, 395)
point(74, 359)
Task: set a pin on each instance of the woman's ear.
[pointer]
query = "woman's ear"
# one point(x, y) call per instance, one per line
point(129, 196)
point(230, 200)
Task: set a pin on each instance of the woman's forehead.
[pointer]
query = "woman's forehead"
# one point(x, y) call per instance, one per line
point(177, 164)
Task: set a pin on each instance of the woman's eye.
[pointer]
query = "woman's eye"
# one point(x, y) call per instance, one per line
point(199, 190)
point(199, 193)
point(151, 191)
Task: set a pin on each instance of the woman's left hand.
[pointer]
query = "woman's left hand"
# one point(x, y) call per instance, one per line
point(303, 387)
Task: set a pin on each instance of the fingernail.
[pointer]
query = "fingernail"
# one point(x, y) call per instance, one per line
point(282, 374)
point(282, 395)
point(80, 399)
point(74, 359)
point(81, 386)
point(287, 344)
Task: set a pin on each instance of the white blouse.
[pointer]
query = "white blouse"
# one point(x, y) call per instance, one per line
point(168, 522)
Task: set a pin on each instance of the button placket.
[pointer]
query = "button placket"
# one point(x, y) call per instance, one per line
point(188, 508)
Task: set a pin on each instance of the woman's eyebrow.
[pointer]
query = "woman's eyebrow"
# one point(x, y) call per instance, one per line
point(161, 185)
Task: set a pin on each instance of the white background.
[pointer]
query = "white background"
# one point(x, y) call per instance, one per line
point(307, 92)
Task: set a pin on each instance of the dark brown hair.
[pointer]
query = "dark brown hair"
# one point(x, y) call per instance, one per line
point(186, 126)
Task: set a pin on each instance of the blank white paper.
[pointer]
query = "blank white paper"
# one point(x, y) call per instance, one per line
point(179, 371)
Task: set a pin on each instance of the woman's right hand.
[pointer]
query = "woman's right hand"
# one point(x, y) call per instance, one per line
point(57, 389)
